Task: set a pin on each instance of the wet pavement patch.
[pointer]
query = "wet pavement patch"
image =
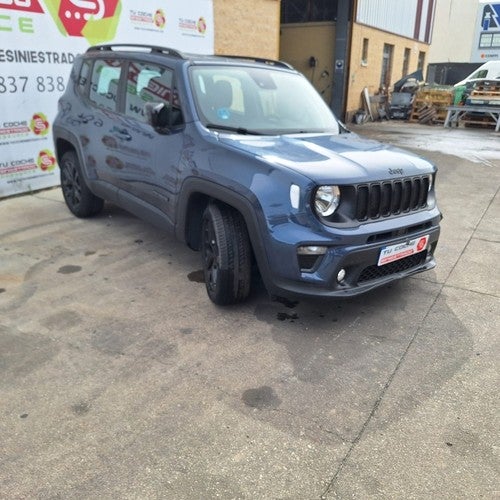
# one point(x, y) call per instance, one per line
point(61, 320)
point(261, 398)
point(186, 331)
point(284, 316)
point(69, 269)
point(286, 302)
point(80, 408)
point(22, 353)
point(197, 276)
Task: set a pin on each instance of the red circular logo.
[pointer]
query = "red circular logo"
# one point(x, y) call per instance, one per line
point(421, 244)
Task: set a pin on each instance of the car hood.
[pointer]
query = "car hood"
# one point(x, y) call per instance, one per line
point(327, 158)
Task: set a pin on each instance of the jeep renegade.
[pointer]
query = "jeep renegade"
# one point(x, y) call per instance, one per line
point(242, 159)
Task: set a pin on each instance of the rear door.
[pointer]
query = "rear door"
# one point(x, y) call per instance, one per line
point(102, 121)
point(151, 157)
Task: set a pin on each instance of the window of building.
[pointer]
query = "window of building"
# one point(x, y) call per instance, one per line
point(364, 53)
point(307, 11)
point(421, 60)
point(406, 61)
point(489, 41)
point(385, 76)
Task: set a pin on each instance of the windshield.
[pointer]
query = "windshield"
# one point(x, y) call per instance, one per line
point(259, 101)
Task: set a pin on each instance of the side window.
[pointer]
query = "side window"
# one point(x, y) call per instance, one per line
point(104, 83)
point(149, 83)
point(480, 74)
point(83, 77)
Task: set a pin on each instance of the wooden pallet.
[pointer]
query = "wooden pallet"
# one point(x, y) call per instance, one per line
point(427, 113)
point(430, 106)
point(437, 98)
point(493, 87)
point(488, 95)
point(484, 93)
point(435, 95)
point(477, 121)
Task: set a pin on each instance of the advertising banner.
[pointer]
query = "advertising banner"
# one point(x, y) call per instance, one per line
point(39, 40)
point(487, 34)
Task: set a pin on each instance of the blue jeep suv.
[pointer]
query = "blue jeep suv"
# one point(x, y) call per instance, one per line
point(244, 161)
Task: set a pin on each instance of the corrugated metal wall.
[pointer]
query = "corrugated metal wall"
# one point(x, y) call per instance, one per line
point(410, 18)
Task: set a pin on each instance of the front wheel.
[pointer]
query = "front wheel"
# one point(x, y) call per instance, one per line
point(78, 197)
point(226, 255)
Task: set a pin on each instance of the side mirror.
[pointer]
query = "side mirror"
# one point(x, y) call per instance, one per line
point(158, 116)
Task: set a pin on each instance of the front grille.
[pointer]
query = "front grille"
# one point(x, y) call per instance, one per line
point(382, 199)
point(373, 272)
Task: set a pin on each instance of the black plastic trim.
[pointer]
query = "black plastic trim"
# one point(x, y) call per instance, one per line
point(245, 206)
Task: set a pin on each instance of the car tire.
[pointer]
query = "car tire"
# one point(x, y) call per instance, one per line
point(226, 255)
point(78, 197)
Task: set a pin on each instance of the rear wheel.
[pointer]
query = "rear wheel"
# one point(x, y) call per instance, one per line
point(78, 197)
point(226, 255)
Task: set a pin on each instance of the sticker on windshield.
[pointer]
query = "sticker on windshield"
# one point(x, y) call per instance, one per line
point(223, 113)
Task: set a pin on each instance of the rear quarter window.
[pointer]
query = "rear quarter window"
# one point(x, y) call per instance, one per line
point(83, 77)
point(106, 75)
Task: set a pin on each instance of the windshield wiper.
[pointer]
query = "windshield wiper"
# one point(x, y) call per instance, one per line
point(238, 130)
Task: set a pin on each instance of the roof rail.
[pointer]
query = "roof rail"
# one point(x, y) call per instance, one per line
point(270, 62)
point(152, 48)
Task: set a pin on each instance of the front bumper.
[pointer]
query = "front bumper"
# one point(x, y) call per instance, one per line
point(358, 260)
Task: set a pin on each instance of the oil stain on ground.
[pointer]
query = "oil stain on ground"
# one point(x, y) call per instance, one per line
point(282, 316)
point(80, 408)
point(197, 276)
point(69, 269)
point(262, 398)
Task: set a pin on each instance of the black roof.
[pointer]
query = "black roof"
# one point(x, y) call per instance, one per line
point(155, 49)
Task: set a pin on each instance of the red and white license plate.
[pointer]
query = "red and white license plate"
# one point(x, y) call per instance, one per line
point(402, 250)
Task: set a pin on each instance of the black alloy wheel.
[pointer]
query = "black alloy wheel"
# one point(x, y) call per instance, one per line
point(78, 197)
point(226, 255)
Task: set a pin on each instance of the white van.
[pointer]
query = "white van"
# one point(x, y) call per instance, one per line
point(488, 71)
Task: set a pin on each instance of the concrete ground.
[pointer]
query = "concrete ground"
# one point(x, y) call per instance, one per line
point(120, 379)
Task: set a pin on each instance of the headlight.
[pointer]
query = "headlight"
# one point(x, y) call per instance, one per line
point(326, 200)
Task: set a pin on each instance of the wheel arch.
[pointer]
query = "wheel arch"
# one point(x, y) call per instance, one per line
point(196, 194)
point(65, 141)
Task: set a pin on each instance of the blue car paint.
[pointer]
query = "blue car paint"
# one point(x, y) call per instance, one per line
point(254, 175)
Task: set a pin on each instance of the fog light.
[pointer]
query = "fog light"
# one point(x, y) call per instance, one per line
point(341, 275)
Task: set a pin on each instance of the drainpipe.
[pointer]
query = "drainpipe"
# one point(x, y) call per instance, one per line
point(341, 57)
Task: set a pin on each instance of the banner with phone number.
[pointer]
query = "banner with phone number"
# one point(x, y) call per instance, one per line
point(39, 40)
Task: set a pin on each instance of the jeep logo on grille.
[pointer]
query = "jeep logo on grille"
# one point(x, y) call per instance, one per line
point(396, 171)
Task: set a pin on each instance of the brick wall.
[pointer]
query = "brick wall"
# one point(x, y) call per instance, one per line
point(247, 27)
point(252, 28)
point(363, 75)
